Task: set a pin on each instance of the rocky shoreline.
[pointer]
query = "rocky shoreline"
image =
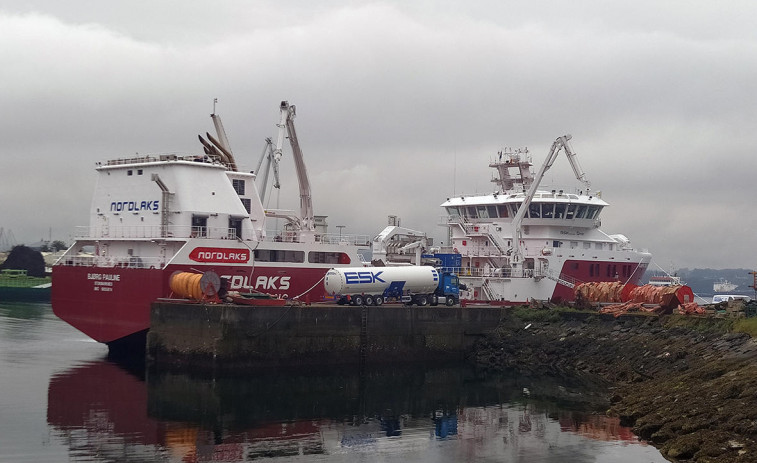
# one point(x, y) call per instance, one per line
point(687, 385)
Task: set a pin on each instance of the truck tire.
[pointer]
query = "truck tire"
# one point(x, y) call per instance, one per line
point(357, 299)
point(434, 299)
point(422, 300)
point(378, 300)
point(368, 299)
point(451, 301)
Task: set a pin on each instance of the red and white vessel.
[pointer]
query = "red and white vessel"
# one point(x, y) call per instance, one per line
point(152, 216)
point(521, 242)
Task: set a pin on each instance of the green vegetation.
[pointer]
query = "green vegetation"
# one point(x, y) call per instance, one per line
point(746, 325)
point(546, 314)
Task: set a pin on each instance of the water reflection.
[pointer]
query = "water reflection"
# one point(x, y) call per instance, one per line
point(106, 413)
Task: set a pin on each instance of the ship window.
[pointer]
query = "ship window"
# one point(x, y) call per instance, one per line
point(453, 212)
point(573, 244)
point(502, 210)
point(556, 244)
point(129, 172)
point(471, 212)
point(482, 212)
point(318, 257)
point(235, 228)
point(514, 208)
point(238, 185)
point(593, 212)
point(247, 204)
point(570, 212)
point(581, 212)
point(139, 172)
point(587, 245)
point(559, 210)
point(598, 245)
point(534, 210)
point(547, 210)
point(492, 211)
point(279, 255)
point(199, 225)
point(594, 270)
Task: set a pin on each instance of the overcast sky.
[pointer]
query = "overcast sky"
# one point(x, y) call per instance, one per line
point(399, 105)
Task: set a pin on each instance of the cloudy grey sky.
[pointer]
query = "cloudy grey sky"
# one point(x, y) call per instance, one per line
point(400, 105)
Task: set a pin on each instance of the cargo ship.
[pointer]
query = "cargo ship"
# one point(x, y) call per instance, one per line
point(154, 216)
point(522, 242)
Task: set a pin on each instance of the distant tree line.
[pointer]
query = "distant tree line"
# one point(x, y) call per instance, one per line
point(25, 258)
point(55, 246)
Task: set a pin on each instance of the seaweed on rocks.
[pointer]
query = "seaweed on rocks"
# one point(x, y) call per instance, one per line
point(687, 385)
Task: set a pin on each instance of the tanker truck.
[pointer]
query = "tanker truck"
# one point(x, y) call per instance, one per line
point(420, 285)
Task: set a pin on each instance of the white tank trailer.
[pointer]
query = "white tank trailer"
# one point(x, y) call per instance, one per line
point(420, 285)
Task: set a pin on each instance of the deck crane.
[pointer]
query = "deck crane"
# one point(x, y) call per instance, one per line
point(219, 148)
point(271, 162)
point(516, 259)
point(305, 222)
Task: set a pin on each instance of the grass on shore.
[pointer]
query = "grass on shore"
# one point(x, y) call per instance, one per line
point(746, 325)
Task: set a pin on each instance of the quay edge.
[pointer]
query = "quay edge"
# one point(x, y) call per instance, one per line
point(215, 337)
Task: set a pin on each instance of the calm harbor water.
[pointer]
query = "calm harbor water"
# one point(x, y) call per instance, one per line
point(62, 400)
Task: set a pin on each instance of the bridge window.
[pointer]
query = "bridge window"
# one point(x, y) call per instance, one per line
point(559, 210)
point(502, 210)
point(570, 212)
point(471, 211)
point(482, 212)
point(534, 210)
point(453, 212)
point(514, 208)
point(492, 211)
point(581, 212)
point(547, 210)
point(593, 212)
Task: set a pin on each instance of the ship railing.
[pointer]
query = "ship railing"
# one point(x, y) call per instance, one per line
point(112, 261)
point(288, 236)
point(495, 272)
point(156, 231)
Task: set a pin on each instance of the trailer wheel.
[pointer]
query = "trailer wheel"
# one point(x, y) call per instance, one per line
point(451, 301)
point(422, 300)
point(378, 300)
point(357, 299)
point(369, 300)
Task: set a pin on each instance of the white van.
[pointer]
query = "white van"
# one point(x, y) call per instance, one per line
point(729, 297)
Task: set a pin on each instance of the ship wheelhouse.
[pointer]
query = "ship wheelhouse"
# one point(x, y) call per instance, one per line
point(543, 251)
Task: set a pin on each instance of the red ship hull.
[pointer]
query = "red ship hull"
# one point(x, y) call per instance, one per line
point(109, 304)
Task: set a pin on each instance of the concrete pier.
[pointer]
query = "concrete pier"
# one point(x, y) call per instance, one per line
point(224, 336)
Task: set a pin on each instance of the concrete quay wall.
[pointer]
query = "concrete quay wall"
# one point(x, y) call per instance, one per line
point(227, 337)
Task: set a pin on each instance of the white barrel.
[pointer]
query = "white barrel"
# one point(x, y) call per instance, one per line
point(374, 280)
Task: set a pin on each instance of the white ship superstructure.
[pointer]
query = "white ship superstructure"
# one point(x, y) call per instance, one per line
point(153, 216)
point(520, 243)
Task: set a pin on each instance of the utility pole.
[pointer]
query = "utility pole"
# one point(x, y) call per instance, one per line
point(754, 284)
